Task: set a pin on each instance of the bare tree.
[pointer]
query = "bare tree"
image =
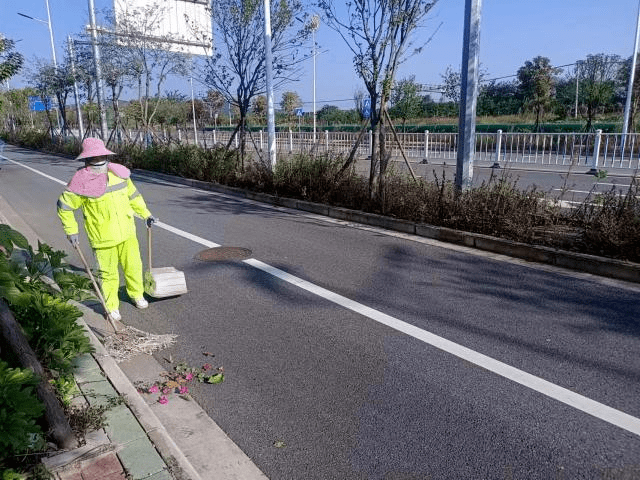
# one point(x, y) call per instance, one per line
point(136, 51)
point(379, 34)
point(237, 67)
point(214, 102)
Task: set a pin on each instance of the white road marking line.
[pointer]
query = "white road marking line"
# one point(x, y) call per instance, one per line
point(575, 400)
point(572, 399)
point(187, 235)
point(35, 171)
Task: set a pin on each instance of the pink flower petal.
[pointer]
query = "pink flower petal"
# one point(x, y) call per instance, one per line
point(184, 390)
point(163, 400)
point(189, 376)
point(154, 389)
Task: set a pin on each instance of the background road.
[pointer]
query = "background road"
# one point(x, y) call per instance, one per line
point(351, 397)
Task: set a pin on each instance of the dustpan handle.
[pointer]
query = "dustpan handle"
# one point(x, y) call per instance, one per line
point(149, 246)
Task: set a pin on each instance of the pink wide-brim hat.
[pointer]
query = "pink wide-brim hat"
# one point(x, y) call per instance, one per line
point(93, 147)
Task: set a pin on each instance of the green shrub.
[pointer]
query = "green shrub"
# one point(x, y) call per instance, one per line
point(20, 411)
point(49, 322)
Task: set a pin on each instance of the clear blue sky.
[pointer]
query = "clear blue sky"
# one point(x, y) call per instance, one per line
point(512, 32)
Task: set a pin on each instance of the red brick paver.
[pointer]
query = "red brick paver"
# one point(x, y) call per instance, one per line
point(104, 467)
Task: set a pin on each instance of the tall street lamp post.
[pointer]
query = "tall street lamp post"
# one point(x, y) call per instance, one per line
point(627, 108)
point(314, 24)
point(53, 46)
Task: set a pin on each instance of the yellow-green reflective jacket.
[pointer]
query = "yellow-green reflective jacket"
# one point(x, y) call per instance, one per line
point(108, 218)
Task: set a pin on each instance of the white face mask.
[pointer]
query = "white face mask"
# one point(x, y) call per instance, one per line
point(97, 164)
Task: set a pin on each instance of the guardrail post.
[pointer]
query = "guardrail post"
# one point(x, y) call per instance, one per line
point(596, 153)
point(290, 141)
point(496, 163)
point(426, 147)
point(370, 143)
point(215, 142)
point(179, 135)
point(326, 139)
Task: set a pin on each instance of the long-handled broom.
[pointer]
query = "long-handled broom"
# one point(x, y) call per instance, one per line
point(127, 342)
point(96, 287)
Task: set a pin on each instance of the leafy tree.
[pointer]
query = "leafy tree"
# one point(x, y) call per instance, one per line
point(598, 74)
point(565, 98)
point(290, 101)
point(10, 61)
point(14, 107)
point(452, 80)
point(237, 68)
point(537, 81)
point(53, 82)
point(379, 34)
point(451, 84)
point(327, 113)
point(259, 106)
point(406, 100)
point(499, 98)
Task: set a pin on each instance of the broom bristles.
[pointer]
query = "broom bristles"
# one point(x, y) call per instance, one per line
point(130, 342)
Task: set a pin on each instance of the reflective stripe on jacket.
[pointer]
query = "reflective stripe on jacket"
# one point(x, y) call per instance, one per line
point(109, 218)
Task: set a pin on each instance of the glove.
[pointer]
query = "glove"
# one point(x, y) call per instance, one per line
point(74, 240)
point(151, 220)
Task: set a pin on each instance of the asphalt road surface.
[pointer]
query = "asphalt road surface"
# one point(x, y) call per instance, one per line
point(355, 353)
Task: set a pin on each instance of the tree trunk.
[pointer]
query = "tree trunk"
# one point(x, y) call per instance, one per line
point(54, 414)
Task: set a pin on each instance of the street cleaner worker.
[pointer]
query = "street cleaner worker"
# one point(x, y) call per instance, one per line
point(108, 199)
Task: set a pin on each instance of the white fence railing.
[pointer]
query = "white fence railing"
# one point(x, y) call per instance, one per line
point(494, 148)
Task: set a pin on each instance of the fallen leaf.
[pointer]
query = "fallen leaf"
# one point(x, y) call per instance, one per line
point(217, 378)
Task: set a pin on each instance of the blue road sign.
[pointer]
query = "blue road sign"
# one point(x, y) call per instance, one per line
point(299, 112)
point(37, 105)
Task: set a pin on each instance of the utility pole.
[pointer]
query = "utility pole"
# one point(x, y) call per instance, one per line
point(271, 123)
point(98, 67)
point(627, 107)
point(75, 86)
point(577, 86)
point(315, 24)
point(468, 95)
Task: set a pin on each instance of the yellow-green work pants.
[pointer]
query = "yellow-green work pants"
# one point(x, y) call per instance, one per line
point(126, 254)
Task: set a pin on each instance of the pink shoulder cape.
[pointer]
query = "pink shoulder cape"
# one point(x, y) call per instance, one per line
point(90, 184)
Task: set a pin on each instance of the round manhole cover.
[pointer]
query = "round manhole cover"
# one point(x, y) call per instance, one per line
point(218, 254)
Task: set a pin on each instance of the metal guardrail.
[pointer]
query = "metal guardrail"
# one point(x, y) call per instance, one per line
point(597, 150)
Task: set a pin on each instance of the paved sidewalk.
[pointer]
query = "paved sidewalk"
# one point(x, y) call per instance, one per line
point(122, 449)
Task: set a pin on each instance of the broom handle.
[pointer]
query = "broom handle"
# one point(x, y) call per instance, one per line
point(95, 286)
point(149, 246)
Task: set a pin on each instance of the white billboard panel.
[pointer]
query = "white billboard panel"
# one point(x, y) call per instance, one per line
point(182, 25)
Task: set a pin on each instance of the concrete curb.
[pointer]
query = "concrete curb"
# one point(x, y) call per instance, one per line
point(602, 266)
point(154, 429)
